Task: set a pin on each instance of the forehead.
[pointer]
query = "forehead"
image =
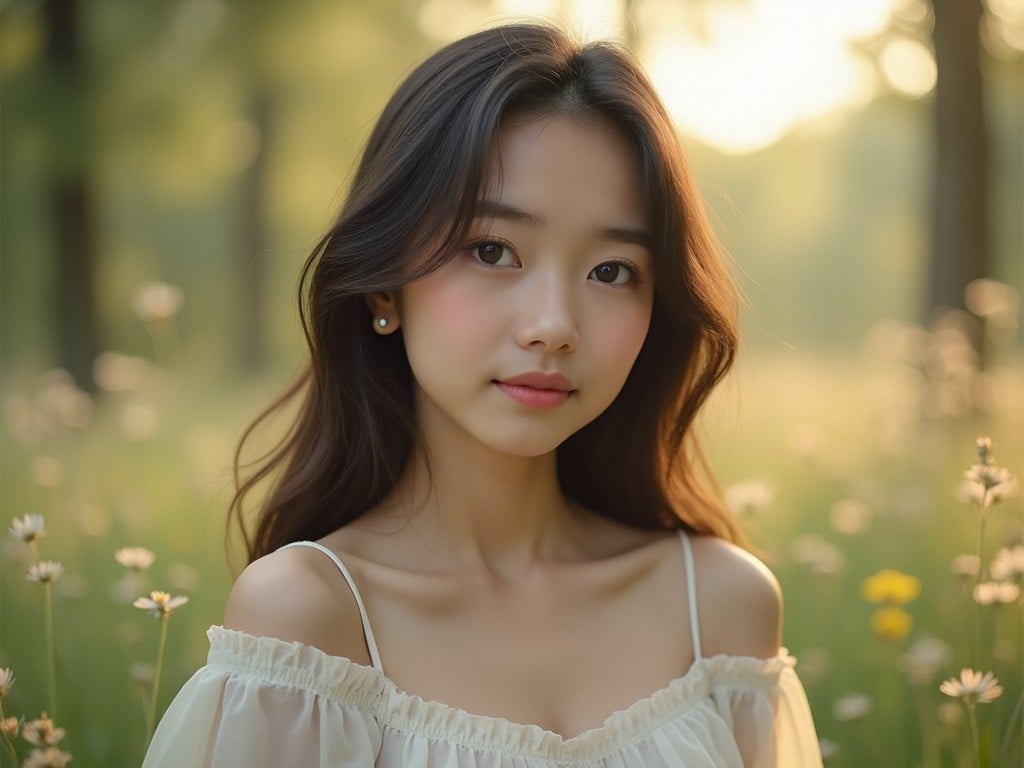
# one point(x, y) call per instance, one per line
point(581, 168)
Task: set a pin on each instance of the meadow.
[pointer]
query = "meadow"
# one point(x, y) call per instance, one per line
point(848, 475)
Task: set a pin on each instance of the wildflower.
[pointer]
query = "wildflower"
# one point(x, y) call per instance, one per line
point(966, 566)
point(72, 587)
point(814, 664)
point(115, 372)
point(42, 732)
point(983, 447)
point(6, 681)
point(828, 749)
point(157, 301)
point(28, 528)
point(50, 757)
point(749, 497)
point(996, 593)
point(817, 554)
point(139, 421)
point(973, 687)
point(854, 706)
point(926, 657)
point(986, 482)
point(998, 303)
point(142, 672)
point(890, 587)
point(850, 517)
point(159, 604)
point(891, 623)
point(9, 727)
point(60, 397)
point(1008, 564)
point(46, 572)
point(135, 558)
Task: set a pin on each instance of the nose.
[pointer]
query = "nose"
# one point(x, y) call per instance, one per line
point(547, 319)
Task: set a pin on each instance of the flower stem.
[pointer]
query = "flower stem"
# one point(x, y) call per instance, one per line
point(1014, 726)
point(982, 518)
point(929, 745)
point(978, 618)
point(151, 714)
point(51, 650)
point(975, 745)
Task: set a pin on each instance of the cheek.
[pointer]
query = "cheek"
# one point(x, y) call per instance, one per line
point(443, 313)
point(617, 338)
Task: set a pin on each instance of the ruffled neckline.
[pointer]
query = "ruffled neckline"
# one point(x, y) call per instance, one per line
point(345, 681)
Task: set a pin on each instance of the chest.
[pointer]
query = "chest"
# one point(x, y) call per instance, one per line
point(563, 656)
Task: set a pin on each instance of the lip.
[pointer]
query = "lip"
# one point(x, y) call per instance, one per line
point(537, 389)
point(540, 380)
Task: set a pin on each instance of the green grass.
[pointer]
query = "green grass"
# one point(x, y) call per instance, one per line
point(816, 431)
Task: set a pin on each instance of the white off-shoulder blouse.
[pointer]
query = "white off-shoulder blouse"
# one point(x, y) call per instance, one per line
point(260, 701)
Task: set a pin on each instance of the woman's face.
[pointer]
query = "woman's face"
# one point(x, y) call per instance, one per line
point(530, 331)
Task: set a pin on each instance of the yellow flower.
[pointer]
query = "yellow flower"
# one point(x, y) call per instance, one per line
point(28, 528)
point(973, 686)
point(42, 732)
point(891, 623)
point(46, 572)
point(159, 603)
point(6, 681)
point(135, 558)
point(890, 587)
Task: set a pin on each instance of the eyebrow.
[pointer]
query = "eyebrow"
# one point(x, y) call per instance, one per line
point(492, 209)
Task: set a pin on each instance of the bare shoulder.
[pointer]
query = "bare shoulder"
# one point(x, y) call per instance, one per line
point(297, 594)
point(739, 600)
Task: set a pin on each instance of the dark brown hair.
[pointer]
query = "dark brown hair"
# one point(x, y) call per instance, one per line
point(414, 193)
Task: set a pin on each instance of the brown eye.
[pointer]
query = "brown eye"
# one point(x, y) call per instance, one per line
point(612, 273)
point(494, 254)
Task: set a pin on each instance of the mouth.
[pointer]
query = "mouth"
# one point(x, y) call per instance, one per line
point(540, 380)
point(537, 389)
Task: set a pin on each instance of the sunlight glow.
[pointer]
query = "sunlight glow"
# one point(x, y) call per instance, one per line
point(909, 67)
point(1003, 28)
point(738, 76)
point(758, 70)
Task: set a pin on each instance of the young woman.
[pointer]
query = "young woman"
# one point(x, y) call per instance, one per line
point(487, 541)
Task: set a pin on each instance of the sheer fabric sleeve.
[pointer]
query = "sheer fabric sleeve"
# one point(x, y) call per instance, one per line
point(772, 725)
point(261, 702)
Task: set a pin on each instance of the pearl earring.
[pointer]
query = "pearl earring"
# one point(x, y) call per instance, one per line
point(382, 322)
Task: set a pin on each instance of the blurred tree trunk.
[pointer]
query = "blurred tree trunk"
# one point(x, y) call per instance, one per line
point(255, 249)
point(71, 196)
point(959, 247)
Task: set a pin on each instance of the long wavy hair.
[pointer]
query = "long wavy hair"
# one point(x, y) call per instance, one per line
point(414, 193)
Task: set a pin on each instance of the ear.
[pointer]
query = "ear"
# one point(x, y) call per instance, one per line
point(384, 308)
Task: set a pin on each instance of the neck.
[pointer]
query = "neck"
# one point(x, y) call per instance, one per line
point(476, 509)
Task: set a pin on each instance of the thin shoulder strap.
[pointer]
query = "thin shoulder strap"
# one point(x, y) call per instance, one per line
point(691, 593)
point(371, 644)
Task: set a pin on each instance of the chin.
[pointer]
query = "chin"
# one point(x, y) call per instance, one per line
point(526, 446)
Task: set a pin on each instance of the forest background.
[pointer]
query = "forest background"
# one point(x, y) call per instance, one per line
point(167, 165)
